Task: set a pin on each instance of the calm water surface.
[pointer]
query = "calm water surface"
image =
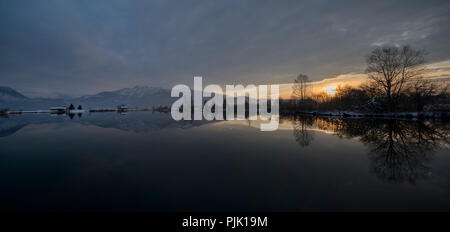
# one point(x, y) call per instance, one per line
point(148, 162)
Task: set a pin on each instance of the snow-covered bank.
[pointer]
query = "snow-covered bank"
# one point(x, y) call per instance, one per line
point(346, 114)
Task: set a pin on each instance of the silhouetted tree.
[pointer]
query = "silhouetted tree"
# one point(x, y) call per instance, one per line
point(71, 107)
point(300, 87)
point(79, 107)
point(390, 68)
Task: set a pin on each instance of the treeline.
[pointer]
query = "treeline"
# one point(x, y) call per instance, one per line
point(395, 83)
point(417, 97)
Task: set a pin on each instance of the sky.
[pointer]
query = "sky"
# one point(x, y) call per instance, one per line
point(54, 48)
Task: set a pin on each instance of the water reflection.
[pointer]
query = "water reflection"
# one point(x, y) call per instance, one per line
point(399, 151)
point(302, 135)
point(71, 116)
point(131, 121)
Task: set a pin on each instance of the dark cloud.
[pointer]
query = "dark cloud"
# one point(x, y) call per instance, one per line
point(77, 47)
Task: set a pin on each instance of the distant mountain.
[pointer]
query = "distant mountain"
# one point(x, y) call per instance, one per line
point(139, 96)
point(7, 95)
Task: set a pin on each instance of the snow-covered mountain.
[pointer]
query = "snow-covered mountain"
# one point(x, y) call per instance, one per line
point(139, 96)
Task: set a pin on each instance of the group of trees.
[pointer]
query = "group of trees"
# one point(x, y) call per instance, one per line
point(395, 82)
point(72, 107)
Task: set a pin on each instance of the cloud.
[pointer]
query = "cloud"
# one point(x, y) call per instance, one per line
point(79, 47)
point(437, 71)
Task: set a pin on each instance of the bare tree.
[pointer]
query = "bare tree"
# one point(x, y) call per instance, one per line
point(300, 87)
point(390, 68)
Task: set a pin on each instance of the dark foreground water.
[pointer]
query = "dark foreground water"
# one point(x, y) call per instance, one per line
point(148, 162)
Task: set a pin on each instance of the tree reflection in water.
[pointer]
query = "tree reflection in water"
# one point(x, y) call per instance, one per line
point(400, 150)
point(301, 133)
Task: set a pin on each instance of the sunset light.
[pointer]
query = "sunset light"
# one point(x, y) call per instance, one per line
point(331, 89)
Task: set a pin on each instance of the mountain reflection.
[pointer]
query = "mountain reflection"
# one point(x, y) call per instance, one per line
point(400, 151)
point(133, 121)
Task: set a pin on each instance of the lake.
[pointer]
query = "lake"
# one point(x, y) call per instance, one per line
point(144, 161)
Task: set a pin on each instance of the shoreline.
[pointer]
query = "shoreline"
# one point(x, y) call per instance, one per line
point(18, 112)
point(387, 115)
point(434, 115)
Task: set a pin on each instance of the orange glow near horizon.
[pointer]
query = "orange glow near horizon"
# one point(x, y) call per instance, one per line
point(439, 71)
